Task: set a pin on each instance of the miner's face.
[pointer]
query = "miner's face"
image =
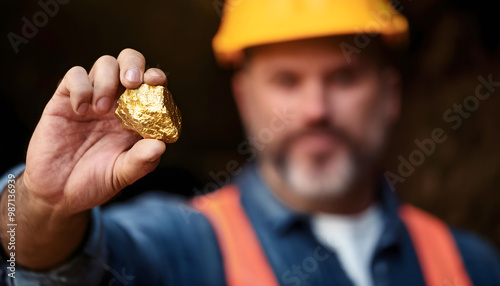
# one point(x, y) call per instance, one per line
point(318, 119)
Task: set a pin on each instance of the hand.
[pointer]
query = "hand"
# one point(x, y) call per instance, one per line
point(79, 155)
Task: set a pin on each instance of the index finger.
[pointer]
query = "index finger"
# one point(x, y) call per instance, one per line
point(132, 64)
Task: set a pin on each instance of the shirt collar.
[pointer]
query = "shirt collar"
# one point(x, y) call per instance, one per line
point(393, 225)
point(261, 204)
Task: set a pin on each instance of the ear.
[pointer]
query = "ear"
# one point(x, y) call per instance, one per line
point(392, 90)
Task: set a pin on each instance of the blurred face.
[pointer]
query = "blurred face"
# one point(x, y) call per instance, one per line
point(320, 121)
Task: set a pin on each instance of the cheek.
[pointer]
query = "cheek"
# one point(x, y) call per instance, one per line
point(268, 115)
point(358, 110)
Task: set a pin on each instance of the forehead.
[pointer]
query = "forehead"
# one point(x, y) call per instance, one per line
point(327, 52)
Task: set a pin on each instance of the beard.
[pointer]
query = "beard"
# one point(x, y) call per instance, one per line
point(327, 174)
point(331, 179)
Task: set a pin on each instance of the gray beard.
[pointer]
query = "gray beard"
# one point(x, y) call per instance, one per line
point(332, 180)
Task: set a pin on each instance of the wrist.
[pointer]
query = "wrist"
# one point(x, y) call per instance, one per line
point(45, 236)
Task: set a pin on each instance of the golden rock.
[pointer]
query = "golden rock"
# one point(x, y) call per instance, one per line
point(150, 111)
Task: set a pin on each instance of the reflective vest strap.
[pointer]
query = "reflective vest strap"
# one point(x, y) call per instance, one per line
point(438, 255)
point(244, 260)
point(246, 264)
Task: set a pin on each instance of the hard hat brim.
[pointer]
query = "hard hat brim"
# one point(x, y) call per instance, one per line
point(259, 22)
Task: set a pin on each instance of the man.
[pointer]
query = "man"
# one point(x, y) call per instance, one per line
point(313, 210)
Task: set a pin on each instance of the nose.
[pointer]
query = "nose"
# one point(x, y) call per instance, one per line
point(314, 107)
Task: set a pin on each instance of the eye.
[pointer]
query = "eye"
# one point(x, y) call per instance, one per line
point(286, 80)
point(344, 77)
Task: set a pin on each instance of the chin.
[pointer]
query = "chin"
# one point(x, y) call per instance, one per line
point(313, 182)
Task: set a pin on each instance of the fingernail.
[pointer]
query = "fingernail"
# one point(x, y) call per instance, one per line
point(133, 75)
point(83, 108)
point(103, 104)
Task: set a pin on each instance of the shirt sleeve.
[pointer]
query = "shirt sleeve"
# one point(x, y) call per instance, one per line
point(87, 267)
point(154, 239)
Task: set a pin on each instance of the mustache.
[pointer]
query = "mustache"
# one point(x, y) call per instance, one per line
point(339, 134)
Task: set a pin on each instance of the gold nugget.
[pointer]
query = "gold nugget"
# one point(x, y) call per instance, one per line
point(150, 111)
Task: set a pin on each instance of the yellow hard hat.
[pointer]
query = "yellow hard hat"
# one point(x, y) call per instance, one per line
point(247, 23)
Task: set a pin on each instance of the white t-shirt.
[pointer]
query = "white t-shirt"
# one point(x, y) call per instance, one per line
point(353, 238)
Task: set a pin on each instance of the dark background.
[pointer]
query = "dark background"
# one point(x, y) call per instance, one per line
point(451, 44)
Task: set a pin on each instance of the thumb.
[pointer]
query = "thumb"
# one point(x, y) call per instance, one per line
point(137, 162)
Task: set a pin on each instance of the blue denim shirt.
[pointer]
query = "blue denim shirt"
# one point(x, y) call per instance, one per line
point(158, 239)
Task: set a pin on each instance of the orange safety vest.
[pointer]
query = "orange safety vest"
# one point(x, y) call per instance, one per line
point(245, 262)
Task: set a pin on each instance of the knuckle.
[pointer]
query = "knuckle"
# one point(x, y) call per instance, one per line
point(76, 70)
point(106, 89)
point(82, 89)
point(130, 53)
point(106, 79)
point(155, 72)
point(125, 51)
point(106, 59)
